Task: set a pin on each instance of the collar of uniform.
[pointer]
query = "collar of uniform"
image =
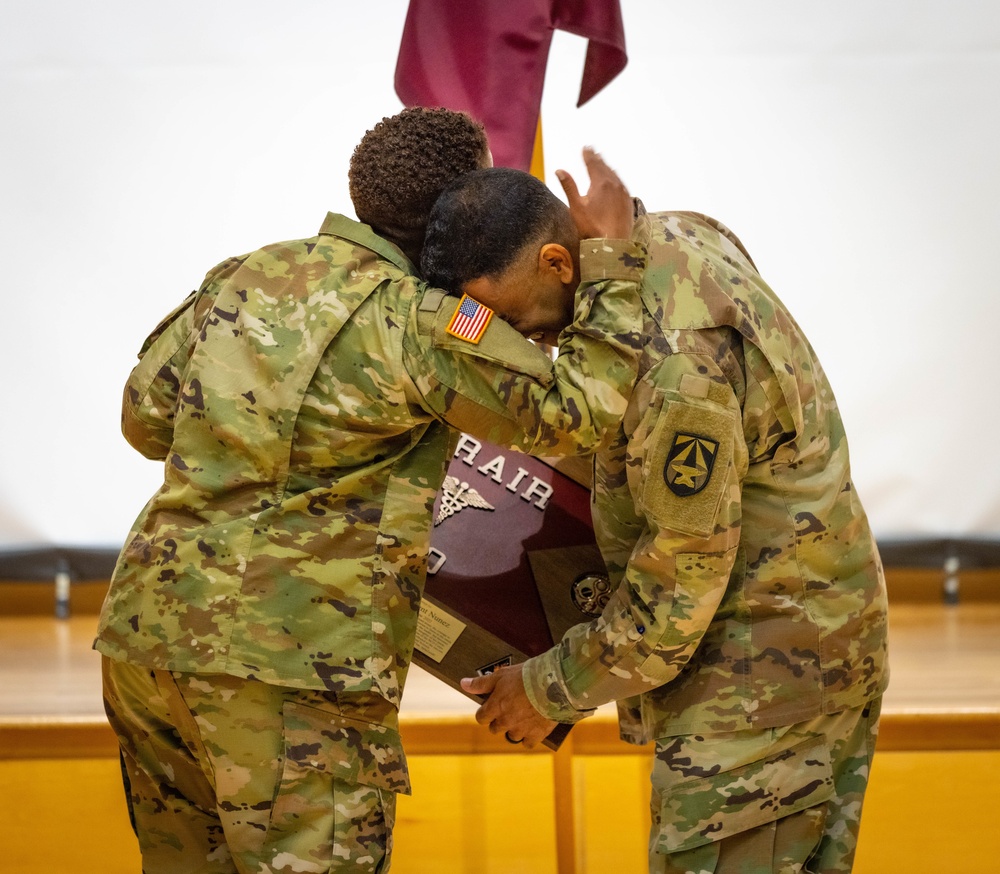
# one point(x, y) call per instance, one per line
point(337, 225)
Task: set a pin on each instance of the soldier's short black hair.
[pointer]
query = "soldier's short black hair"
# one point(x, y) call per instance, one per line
point(402, 164)
point(485, 220)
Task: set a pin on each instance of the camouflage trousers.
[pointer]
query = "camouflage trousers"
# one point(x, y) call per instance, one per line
point(778, 801)
point(230, 776)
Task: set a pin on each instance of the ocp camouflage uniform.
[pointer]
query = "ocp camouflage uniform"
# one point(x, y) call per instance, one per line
point(747, 635)
point(299, 399)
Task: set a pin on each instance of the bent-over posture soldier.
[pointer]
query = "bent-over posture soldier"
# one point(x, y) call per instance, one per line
point(747, 632)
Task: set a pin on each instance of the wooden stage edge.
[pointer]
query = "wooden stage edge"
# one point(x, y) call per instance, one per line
point(943, 696)
point(87, 737)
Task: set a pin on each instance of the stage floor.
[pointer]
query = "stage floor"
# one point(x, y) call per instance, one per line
point(945, 664)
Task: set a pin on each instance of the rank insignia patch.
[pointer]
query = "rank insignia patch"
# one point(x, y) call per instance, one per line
point(689, 464)
point(470, 320)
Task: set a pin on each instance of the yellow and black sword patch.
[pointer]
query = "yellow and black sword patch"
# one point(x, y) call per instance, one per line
point(689, 464)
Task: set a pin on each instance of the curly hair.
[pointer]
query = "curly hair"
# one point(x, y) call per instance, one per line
point(403, 163)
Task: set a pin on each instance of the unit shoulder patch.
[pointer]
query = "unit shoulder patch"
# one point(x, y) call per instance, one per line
point(689, 463)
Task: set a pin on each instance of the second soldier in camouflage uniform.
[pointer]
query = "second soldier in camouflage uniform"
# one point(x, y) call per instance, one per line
point(261, 618)
point(747, 633)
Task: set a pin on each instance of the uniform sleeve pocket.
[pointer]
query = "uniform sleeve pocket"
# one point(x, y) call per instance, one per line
point(707, 809)
point(687, 469)
point(357, 752)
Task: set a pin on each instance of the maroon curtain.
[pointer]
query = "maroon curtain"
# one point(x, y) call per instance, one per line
point(488, 57)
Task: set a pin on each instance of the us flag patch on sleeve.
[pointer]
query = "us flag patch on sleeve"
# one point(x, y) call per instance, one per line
point(470, 320)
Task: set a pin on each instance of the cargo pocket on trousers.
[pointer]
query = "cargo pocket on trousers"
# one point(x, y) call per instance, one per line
point(339, 783)
point(704, 810)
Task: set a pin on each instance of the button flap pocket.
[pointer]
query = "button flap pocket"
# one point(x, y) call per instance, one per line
point(707, 809)
point(365, 753)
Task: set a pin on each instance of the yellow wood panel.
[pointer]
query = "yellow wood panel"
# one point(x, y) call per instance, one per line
point(487, 814)
point(612, 813)
point(65, 815)
point(931, 813)
point(926, 813)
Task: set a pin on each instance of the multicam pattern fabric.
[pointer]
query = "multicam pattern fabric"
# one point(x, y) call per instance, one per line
point(300, 399)
point(756, 599)
point(228, 775)
point(750, 596)
point(782, 800)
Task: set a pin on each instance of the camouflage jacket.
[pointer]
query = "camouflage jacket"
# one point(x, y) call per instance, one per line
point(750, 592)
point(299, 399)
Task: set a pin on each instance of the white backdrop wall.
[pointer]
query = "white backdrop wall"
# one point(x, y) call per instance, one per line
point(854, 147)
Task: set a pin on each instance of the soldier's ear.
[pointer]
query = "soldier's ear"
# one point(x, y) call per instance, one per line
point(557, 260)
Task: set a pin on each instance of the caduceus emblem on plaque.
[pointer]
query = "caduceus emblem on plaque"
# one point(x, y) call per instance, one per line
point(456, 496)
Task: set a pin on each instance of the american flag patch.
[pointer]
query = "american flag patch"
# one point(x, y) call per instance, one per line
point(470, 320)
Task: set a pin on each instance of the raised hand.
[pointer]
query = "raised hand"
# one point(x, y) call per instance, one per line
point(606, 210)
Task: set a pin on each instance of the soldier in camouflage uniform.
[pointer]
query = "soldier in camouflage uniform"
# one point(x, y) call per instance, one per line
point(261, 617)
point(747, 633)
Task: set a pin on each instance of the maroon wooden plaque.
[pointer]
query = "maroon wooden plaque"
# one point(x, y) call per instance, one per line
point(513, 563)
